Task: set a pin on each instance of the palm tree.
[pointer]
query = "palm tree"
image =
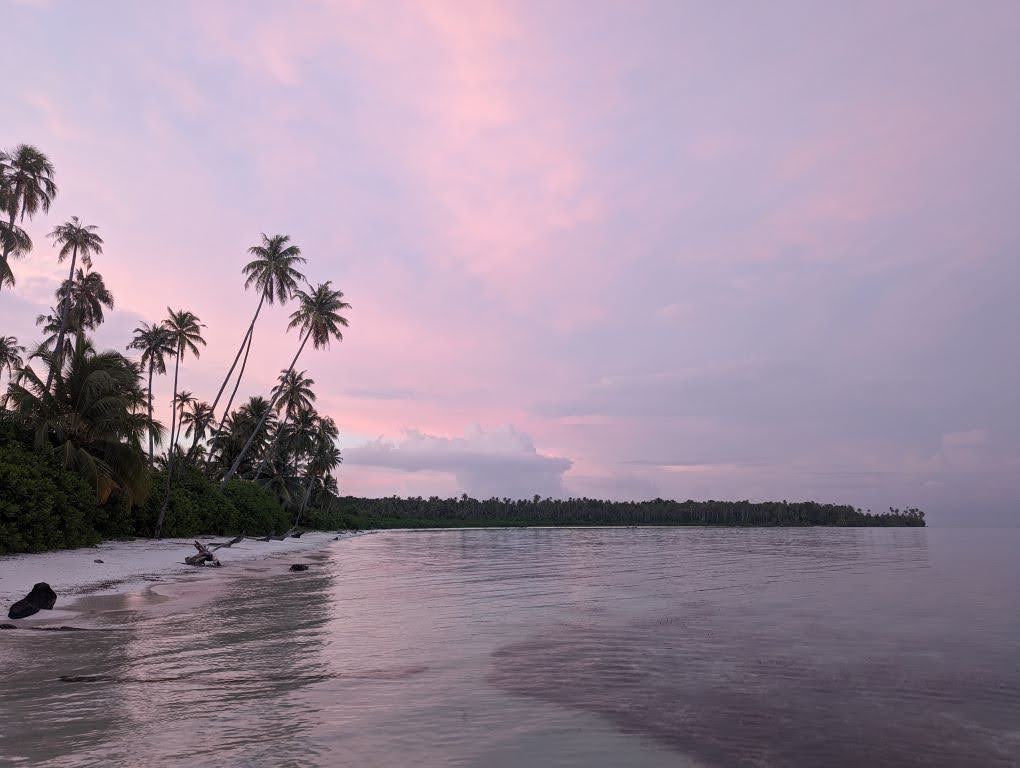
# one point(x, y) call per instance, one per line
point(292, 395)
point(51, 327)
point(241, 425)
point(318, 316)
point(10, 358)
point(273, 272)
point(325, 457)
point(86, 297)
point(74, 239)
point(26, 180)
point(198, 420)
point(185, 334)
point(154, 342)
point(88, 418)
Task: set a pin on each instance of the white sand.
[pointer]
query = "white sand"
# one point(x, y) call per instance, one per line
point(127, 566)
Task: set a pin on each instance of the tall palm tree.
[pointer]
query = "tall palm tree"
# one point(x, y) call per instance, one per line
point(274, 274)
point(318, 316)
point(26, 179)
point(185, 333)
point(75, 239)
point(86, 296)
point(153, 340)
point(292, 394)
point(88, 418)
point(10, 358)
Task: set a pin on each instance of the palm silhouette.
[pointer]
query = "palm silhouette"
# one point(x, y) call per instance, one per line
point(185, 333)
point(74, 239)
point(153, 340)
point(324, 458)
point(274, 274)
point(318, 316)
point(26, 187)
point(85, 296)
point(10, 358)
point(292, 395)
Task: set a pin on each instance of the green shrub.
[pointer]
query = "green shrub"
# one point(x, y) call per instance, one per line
point(258, 511)
point(196, 506)
point(42, 505)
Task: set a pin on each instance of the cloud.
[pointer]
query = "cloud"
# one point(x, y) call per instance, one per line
point(499, 462)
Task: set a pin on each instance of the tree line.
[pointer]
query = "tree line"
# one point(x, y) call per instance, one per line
point(435, 512)
point(92, 410)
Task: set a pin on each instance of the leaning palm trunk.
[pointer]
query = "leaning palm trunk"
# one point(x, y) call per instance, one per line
point(170, 451)
point(226, 411)
point(258, 427)
point(304, 500)
point(245, 341)
point(150, 413)
point(65, 309)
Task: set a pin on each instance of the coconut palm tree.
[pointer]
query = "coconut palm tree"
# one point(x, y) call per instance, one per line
point(88, 418)
point(153, 340)
point(86, 295)
point(198, 418)
point(185, 334)
point(75, 239)
point(274, 274)
point(10, 358)
point(324, 458)
point(292, 394)
point(26, 181)
point(50, 324)
point(318, 316)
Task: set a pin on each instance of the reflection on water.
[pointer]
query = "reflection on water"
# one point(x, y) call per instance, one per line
point(556, 647)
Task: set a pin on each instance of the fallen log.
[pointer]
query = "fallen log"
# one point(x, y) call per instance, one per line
point(228, 544)
point(203, 557)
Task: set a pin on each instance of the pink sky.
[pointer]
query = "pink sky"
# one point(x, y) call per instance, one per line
point(605, 248)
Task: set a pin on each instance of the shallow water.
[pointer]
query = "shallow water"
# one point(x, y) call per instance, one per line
point(586, 647)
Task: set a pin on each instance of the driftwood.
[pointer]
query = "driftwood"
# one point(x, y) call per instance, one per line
point(228, 544)
point(203, 557)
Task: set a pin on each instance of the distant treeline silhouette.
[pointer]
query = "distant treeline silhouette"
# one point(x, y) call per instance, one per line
point(434, 512)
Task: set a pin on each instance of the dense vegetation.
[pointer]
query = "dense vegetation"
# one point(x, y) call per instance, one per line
point(395, 512)
point(82, 454)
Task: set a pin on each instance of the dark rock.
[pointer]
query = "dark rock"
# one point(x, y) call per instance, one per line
point(42, 597)
point(299, 567)
point(8, 626)
point(22, 609)
point(296, 535)
point(97, 560)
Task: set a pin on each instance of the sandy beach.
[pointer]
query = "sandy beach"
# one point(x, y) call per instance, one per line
point(130, 567)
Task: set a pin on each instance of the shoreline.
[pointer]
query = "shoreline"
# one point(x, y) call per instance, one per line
point(128, 567)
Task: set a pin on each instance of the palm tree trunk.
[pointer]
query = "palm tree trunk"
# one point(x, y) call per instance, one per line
point(240, 349)
point(58, 353)
point(258, 427)
point(150, 412)
point(170, 450)
point(226, 411)
point(272, 448)
point(304, 501)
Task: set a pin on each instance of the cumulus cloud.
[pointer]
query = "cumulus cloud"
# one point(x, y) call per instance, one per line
point(499, 462)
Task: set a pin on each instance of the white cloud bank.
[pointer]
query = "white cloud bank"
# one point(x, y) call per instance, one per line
point(500, 462)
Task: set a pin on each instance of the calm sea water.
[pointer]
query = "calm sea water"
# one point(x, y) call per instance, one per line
point(636, 647)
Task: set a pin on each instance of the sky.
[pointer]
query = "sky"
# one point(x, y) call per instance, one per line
point(615, 249)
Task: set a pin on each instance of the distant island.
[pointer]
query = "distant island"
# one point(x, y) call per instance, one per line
point(396, 512)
